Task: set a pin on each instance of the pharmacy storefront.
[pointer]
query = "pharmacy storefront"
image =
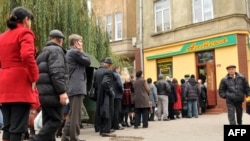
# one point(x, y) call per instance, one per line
point(206, 58)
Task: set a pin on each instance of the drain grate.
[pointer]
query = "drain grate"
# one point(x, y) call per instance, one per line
point(126, 138)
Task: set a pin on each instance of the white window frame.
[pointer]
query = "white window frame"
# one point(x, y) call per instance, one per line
point(164, 18)
point(109, 26)
point(99, 21)
point(118, 26)
point(248, 8)
point(202, 11)
point(89, 5)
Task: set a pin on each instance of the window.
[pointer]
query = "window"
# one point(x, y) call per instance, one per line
point(202, 10)
point(109, 26)
point(89, 7)
point(165, 67)
point(248, 8)
point(118, 26)
point(99, 22)
point(162, 15)
point(204, 57)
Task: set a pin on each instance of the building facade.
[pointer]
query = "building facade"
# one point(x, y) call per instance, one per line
point(199, 37)
point(118, 18)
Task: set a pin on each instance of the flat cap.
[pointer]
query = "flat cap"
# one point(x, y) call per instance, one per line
point(56, 33)
point(230, 66)
point(108, 60)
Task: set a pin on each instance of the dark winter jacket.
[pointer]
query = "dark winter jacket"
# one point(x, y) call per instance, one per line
point(234, 89)
point(103, 79)
point(53, 71)
point(172, 98)
point(117, 85)
point(163, 88)
point(77, 62)
point(192, 90)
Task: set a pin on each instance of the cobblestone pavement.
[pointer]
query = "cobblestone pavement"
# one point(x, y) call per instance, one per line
point(208, 127)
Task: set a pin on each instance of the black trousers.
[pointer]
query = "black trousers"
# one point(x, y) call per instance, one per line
point(105, 123)
point(232, 107)
point(171, 111)
point(152, 114)
point(141, 112)
point(15, 117)
point(117, 113)
point(52, 119)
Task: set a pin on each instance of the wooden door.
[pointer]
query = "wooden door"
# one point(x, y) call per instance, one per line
point(211, 84)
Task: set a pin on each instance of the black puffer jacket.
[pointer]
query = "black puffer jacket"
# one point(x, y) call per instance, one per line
point(192, 90)
point(53, 70)
point(234, 89)
point(163, 87)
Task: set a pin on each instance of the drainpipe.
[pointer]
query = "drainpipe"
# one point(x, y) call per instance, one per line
point(141, 39)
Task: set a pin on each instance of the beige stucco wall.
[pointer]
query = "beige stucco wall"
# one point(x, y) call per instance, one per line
point(183, 64)
point(102, 8)
point(223, 57)
point(183, 29)
point(150, 69)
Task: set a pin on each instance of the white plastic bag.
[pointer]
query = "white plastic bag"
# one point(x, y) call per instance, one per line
point(38, 122)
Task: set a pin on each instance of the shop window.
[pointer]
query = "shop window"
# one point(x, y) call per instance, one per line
point(204, 57)
point(165, 67)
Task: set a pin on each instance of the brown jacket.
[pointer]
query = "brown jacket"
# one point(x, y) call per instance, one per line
point(141, 96)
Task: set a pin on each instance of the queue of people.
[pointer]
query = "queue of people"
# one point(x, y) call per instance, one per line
point(60, 78)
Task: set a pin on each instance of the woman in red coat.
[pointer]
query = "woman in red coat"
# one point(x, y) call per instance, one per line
point(18, 73)
point(178, 103)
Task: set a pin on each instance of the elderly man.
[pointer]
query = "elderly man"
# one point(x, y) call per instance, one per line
point(234, 87)
point(103, 84)
point(52, 85)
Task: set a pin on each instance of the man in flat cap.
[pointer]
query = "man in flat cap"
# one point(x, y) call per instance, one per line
point(103, 84)
point(230, 66)
point(234, 87)
point(52, 85)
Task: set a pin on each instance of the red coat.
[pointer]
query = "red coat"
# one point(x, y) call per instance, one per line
point(18, 68)
point(178, 103)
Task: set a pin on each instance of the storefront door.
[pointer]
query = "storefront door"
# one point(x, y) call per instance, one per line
point(211, 84)
point(206, 72)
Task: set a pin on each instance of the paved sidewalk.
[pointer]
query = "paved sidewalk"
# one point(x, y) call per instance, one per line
point(208, 127)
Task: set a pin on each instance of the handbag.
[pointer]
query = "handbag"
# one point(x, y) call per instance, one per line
point(92, 94)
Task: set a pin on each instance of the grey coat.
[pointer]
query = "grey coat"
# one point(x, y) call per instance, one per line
point(153, 97)
point(77, 62)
